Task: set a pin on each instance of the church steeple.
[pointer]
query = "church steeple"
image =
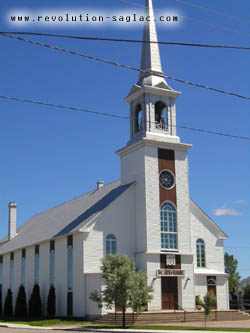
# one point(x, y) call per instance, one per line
point(152, 100)
point(152, 74)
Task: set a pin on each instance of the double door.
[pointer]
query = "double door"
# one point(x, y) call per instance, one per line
point(169, 293)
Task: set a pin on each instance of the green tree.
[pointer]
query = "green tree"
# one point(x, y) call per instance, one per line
point(208, 303)
point(35, 304)
point(246, 297)
point(21, 303)
point(140, 293)
point(51, 303)
point(198, 302)
point(121, 285)
point(231, 265)
point(8, 307)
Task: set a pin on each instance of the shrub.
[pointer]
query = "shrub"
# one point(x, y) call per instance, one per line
point(51, 303)
point(35, 304)
point(21, 303)
point(8, 307)
point(198, 300)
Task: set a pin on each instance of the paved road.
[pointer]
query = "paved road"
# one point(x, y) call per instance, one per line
point(210, 324)
point(24, 330)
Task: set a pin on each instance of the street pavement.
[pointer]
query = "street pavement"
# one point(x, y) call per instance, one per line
point(16, 328)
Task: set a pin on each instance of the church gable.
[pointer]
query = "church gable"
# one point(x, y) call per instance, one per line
point(198, 214)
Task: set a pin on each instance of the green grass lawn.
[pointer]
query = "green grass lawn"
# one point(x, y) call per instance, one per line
point(48, 322)
point(87, 324)
point(173, 328)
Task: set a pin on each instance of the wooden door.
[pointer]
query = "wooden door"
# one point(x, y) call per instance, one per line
point(211, 287)
point(213, 290)
point(169, 293)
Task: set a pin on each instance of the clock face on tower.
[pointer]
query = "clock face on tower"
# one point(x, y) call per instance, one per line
point(167, 179)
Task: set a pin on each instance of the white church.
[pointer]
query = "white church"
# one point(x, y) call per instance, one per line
point(147, 215)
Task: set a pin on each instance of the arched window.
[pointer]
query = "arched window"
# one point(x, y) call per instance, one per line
point(138, 118)
point(168, 226)
point(211, 281)
point(200, 253)
point(110, 244)
point(161, 117)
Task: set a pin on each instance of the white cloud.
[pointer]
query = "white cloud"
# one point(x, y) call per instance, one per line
point(240, 202)
point(226, 211)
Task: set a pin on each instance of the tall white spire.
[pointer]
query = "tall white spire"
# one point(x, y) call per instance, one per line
point(150, 58)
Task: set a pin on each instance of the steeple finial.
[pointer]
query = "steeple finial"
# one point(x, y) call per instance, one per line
point(150, 59)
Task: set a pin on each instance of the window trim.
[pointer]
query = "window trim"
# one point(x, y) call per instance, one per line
point(163, 122)
point(70, 268)
point(37, 264)
point(52, 267)
point(199, 259)
point(12, 272)
point(109, 243)
point(169, 232)
point(138, 125)
point(23, 271)
point(168, 188)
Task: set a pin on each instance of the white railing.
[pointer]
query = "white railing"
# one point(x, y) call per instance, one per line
point(161, 126)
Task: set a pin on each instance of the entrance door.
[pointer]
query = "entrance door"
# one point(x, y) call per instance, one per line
point(211, 287)
point(169, 293)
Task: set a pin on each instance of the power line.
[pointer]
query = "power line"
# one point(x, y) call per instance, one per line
point(125, 66)
point(126, 40)
point(219, 27)
point(213, 11)
point(117, 116)
point(63, 107)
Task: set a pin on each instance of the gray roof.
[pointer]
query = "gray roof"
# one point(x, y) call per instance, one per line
point(64, 219)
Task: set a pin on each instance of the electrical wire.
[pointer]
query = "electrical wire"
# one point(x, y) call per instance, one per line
point(213, 11)
point(117, 116)
point(62, 107)
point(126, 40)
point(219, 27)
point(125, 66)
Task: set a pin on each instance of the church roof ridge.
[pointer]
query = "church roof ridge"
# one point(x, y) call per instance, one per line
point(65, 218)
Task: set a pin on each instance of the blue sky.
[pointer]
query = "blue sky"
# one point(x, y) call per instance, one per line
point(49, 156)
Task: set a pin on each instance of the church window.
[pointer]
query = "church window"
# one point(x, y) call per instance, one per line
point(11, 271)
point(161, 116)
point(211, 281)
point(200, 253)
point(138, 118)
point(70, 263)
point(37, 264)
point(110, 244)
point(52, 262)
point(168, 226)
point(23, 268)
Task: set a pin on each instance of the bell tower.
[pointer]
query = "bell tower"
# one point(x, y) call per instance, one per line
point(151, 99)
point(154, 158)
point(157, 162)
